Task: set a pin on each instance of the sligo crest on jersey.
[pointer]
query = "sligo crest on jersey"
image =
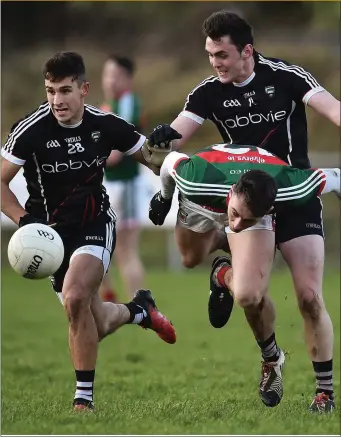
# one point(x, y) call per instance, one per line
point(96, 136)
point(270, 90)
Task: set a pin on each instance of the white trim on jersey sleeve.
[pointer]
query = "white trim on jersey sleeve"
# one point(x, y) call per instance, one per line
point(192, 116)
point(310, 94)
point(11, 158)
point(137, 146)
point(167, 173)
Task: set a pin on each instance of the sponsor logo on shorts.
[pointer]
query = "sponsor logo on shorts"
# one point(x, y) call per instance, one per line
point(182, 215)
point(33, 267)
point(313, 225)
point(94, 237)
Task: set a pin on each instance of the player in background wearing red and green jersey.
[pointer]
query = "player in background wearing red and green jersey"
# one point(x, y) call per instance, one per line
point(122, 176)
point(237, 190)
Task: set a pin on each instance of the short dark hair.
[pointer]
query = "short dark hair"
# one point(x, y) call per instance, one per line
point(127, 63)
point(226, 23)
point(259, 190)
point(65, 64)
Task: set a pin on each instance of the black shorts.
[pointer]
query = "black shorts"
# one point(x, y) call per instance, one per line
point(98, 239)
point(299, 221)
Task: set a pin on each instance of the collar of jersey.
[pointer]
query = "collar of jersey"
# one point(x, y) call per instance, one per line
point(70, 126)
point(246, 81)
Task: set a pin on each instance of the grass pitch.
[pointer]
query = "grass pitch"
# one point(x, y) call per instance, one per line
point(204, 384)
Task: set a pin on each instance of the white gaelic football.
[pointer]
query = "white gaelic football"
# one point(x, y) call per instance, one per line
point(35, 251)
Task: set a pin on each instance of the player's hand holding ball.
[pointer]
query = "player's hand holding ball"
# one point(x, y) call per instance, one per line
point(159, 208)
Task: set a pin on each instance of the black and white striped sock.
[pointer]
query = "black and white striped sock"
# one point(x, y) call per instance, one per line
point(269, 348)
point(324, 377)
point(137, 313)
point(84, 386)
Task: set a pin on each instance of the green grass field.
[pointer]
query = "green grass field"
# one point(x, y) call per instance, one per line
point(204, 384)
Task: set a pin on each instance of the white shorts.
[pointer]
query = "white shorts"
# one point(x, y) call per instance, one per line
point(198, 219)
point(123, 197)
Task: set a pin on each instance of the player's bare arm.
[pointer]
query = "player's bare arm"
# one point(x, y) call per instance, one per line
point(186, 128)
point(174, 136)
point(115, 158)
point(326, 105)
point(9, 203)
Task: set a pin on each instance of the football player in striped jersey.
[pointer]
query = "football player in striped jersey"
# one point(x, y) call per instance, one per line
point(62, 147)
point(258, 100)
point(238, 189)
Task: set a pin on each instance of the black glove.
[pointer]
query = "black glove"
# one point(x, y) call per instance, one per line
point(159, 208)
point(162, 135)
point(27, 219)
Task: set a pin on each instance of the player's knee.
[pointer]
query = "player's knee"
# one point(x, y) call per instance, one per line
point(191, 259)
point(310, 301)
point(75, 300)
point(248, 296)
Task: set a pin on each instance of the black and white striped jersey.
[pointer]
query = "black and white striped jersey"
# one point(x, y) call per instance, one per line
point(266, 110)
point(64, 165)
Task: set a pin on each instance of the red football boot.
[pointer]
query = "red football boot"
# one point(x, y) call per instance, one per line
point(154, 320)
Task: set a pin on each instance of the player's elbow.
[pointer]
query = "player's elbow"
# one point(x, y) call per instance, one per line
point(335, 116)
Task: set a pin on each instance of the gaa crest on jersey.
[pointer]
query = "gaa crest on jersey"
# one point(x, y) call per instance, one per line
point(270, 90)
point(96, 136)
point(52, 143)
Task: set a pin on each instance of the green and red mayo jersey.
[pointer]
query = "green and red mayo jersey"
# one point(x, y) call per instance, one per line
point(206, 177)
point(128, 106)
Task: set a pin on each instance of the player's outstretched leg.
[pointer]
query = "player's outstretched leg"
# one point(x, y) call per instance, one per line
point(141, 311)
point(220, 302)
point(152, 317)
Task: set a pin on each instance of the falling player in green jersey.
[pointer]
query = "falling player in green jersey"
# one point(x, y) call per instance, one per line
point(233, 190)
point(207, 181)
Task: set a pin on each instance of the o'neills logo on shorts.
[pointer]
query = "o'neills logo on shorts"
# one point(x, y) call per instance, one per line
point(182, 215)
point(33, 267)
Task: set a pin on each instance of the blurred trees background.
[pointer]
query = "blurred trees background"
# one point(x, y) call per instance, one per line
point(165, 39)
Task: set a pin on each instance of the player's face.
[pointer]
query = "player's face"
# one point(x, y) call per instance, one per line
point(226, 60)
point(239, 215)
point(66, 99)
point(115, 80)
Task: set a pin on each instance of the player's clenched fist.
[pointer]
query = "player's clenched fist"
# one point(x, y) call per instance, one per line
point(159, 208)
